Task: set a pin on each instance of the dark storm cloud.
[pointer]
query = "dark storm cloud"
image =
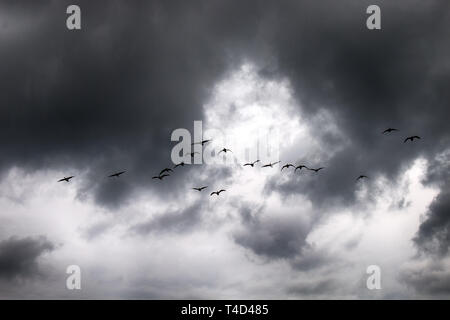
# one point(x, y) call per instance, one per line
point(279, 237)
point(433, 236)
point(310, 259)
point(434, 232)
point(368, 81)
point(107, 97)
point(273, 238)
point(434, 279)
point(19, 256)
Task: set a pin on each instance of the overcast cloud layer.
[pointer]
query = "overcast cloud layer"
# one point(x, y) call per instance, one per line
point(106, 98)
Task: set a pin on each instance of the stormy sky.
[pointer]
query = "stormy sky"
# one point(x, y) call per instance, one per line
point(305, 77)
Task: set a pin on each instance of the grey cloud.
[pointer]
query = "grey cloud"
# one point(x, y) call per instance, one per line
point(108, 97)
point(93, 231)
point(434, 233)
point(363, 79)
point(19, 256)
point(433, 279)
point(369, 81)
point(275, 238)
point(105, 98)
point(174, 221)
point(433, 236)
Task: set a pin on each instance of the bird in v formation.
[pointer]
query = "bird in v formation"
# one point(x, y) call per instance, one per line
point(66, 179)
point(270, 164)
point(165, 172)
point(225, 150)
point(217, 192)
point(117, 174)
point(252, 164)
point(200, 188)
point(161, 176)
point(411, 138)
point(389, 130)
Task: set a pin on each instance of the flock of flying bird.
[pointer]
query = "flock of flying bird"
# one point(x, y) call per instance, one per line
point(166, 171)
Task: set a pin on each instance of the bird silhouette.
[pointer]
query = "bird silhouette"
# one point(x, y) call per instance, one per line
point(200, 189)
point(300, 167)
point(362, 177)
point(224, 150)
point(251, 163)
point(192, 154)
point(178, 165)
point(165, 170)
point(316, 170)
point(117, 174)
point(389, 130)
point(66, 179)
point(217, 192)
point(270, 164)
point(201, 142)
point(160, 177)
point(411, 138)
point(287, 165)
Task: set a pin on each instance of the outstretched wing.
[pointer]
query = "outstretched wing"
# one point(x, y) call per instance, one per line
point(165, 170)
point(116, 174)
point(389, 130)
